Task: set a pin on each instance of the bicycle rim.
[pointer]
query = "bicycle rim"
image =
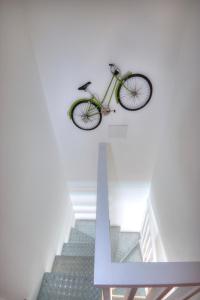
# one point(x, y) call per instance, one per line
point(135, 92)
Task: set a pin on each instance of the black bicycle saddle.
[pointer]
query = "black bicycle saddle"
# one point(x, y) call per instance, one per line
point(84, 87)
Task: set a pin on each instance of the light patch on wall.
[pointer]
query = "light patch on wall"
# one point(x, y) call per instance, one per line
point(117, 131)
point(128, 204)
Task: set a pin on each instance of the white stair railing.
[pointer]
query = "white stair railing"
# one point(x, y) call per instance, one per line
point(161, 277)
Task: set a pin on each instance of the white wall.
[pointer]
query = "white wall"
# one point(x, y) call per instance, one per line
point(34, 210)
point(175, 184)
point(128, 204)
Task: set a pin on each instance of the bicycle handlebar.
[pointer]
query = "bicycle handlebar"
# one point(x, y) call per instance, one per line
point(114, 69)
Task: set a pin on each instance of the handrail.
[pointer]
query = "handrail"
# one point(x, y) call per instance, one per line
point(139, 274)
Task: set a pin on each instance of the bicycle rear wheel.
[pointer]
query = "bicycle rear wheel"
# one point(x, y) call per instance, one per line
point(86, 115)
point(135, 92)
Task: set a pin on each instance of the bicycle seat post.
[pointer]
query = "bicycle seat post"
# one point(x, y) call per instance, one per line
point(89, 92)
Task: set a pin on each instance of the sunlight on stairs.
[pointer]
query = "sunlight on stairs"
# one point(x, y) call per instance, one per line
point(72, 273)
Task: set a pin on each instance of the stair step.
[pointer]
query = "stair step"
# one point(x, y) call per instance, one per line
point(59, 286)
point(77, 236)
point(86, 226)
point(78, 249)
point(81, 264)
point(127, 240)
point(135, 255)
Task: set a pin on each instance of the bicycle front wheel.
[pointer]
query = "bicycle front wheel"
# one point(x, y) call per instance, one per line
point(86, 115)
point(135, 92)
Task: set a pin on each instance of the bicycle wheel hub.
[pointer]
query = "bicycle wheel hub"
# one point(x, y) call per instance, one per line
point(85, 118)
point(134, 93)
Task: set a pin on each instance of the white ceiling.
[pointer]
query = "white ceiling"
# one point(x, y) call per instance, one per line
point(73, 42)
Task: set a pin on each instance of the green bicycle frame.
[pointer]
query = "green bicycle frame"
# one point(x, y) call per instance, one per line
point(117, 82)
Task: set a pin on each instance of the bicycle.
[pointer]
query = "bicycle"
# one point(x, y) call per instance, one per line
point(132, 92)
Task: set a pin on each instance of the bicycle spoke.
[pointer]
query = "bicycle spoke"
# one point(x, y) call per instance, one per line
point(86, 115)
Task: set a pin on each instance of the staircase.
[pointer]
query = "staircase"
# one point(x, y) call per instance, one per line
point(72, 273)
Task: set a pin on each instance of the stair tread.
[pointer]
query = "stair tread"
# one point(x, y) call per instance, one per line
point(60, 285)
point(86, 226)
point(135, 255)
point(126, 242)
point(77, 236)
point(78, 249)
point(82, 264)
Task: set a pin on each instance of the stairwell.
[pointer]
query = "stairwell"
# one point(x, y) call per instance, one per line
point(72, 272)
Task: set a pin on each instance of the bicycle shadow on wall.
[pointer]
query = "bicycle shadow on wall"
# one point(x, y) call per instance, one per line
point(133, 91)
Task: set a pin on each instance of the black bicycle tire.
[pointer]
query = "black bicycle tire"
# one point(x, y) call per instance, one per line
point(84, 101)
point(121, 85)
